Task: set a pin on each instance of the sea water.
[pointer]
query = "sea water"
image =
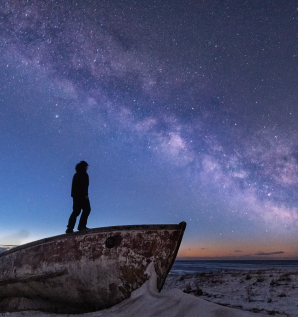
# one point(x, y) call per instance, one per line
point(192, 267)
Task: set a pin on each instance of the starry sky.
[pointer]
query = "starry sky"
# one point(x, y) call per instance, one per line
point(184, 110)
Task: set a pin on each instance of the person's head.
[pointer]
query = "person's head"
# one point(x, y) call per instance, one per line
point(82, 166)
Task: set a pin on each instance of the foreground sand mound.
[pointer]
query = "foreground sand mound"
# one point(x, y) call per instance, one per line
point(148, 302)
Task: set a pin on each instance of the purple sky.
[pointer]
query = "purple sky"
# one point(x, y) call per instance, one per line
point(184, 110)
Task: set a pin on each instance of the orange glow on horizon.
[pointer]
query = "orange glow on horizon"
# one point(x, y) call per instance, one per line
point(256, 250)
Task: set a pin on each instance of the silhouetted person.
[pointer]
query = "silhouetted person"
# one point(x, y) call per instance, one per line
point(79, 193)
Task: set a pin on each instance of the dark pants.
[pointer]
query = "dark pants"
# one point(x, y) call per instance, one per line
point(78, 205)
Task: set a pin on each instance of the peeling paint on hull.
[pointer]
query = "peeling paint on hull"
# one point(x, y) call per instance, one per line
point(90, 270)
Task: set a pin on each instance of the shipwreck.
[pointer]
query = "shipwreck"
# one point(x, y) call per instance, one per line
point(86, 271)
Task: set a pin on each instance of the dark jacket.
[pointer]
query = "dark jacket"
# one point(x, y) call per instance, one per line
point(80, 184)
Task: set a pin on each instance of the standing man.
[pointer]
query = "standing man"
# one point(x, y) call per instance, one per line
point(79, 193)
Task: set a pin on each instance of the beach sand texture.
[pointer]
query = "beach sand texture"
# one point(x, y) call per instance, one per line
point(148, 302)
point(271, 292)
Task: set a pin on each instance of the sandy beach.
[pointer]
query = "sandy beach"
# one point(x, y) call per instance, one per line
point(216, 294)
point(271, 292)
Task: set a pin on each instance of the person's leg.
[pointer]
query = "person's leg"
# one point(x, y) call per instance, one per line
point(76, 211)
point(84, 216)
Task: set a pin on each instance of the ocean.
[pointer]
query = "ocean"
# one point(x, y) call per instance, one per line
point(192, 267)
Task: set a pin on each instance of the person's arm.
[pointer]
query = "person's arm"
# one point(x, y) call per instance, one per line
point(74, 186)
point(86, 185)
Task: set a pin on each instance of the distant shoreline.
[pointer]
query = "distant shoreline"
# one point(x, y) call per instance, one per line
point(235, 259)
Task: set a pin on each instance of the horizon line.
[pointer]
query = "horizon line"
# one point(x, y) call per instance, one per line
point(233, 258)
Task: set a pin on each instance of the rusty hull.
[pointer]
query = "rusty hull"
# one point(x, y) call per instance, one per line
point(88, 271)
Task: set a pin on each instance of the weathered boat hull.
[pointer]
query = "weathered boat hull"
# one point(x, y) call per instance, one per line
point(87, 271)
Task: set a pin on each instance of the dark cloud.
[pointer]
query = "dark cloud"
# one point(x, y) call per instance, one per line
point(270, 253)
point(237, 251)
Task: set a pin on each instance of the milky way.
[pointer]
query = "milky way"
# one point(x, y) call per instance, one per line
point(200, 98)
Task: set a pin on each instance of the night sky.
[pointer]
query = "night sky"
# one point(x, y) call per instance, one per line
point(184, 110)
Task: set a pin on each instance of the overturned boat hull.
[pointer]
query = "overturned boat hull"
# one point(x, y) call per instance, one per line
point(86, 271)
